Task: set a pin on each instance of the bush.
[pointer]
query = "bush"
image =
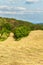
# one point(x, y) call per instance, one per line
point(7, 26)
point(4, 33)
point(20, 32)
point(4, 30)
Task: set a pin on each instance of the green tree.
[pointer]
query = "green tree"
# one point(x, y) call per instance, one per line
point(20, 32)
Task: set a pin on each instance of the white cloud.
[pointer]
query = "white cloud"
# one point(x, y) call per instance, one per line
point(21, 8)
point(33, 11)
point(12, 1)
point(7, 12)
point(18, 10)
point(12, 8)
point(5, 6)
point(21, 12)
point(32, 1)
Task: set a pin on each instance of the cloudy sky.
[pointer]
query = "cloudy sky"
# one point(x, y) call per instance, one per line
point(30, 10)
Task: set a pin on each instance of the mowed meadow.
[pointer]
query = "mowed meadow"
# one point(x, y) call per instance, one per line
point(28, 50)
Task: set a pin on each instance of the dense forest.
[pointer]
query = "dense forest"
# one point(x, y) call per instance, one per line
point(18, 27)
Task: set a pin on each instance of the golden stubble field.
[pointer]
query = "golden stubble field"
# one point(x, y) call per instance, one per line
point(27, 51)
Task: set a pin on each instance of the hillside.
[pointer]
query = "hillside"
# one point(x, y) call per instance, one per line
point(18, 27)
point(27, 51)
point(15, 23)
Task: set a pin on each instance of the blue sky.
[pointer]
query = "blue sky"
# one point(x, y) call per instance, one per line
point(30, 10)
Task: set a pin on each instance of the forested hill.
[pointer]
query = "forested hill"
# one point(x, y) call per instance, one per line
point(15, 23)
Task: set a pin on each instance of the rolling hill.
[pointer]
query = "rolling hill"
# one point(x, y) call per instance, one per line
point(27, 51)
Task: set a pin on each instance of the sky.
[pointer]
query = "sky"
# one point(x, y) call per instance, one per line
point(28, 10)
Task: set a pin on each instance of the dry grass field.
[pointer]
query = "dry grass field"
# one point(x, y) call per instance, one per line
point(27, 51)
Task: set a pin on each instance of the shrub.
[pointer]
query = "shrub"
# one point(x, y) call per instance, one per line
point(4, 30)
point(20, 32)
point(4, 33)
point(7, 26)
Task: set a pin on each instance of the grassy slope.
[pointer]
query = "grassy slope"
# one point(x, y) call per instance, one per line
point(27, 51)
